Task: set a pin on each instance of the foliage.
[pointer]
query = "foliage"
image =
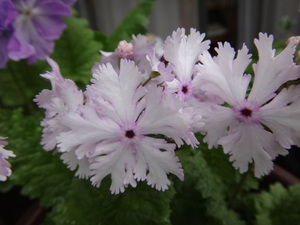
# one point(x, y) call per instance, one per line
point(21, 82)
point(75, 57)
point(278, 205)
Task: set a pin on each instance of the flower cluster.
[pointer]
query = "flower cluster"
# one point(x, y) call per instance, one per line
point(147, 98)
point(4, 165)
point(28, 28)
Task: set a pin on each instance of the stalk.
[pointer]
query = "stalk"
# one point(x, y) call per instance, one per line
point(238, 189)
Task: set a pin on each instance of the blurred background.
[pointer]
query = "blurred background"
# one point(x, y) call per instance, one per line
point(235, 21)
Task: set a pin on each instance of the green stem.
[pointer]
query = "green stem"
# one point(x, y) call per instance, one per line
point(147, 81)
point(152, 75)
point(21, 89)
point(239, 188)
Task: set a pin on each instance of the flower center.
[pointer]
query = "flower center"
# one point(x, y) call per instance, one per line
point(246, 112)
point(30, 12)
point(184, 89)
point(129, 134)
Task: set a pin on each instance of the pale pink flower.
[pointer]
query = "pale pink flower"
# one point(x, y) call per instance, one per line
point(63, 98)
point(121, 129)
point(181, 52)
point(5, 170)
point(258, 126)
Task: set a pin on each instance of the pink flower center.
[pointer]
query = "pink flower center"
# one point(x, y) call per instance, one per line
point(248, 114)
point(129, 134)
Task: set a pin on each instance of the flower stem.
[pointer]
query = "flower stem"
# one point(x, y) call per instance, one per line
point(20, 87)
point(238, 189)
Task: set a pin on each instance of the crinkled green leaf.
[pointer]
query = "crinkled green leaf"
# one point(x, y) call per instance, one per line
point(20, 82)
point(88, 205)
point(188, 204)
point(278, 206)
point(220, 165)
point(133, 23)
point(41, 174)
point(209, 184)
point(77, 50)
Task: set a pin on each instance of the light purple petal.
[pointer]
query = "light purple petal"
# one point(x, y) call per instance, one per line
point(38, 24)
point(49, 24)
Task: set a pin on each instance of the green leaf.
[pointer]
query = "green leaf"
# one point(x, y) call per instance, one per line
point(88, 205)
point(278, 206)
point(20, 82)
point(133, 23)
point(41, 174)
point(211, 188)
point(77, 50)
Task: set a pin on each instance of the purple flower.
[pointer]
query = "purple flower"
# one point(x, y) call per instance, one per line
point(5, 170)
point(8, 14)
point(69, 2)
point(38, 24)
point(261, 123)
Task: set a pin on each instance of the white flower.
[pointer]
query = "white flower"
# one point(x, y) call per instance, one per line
point(5, 170)
point(258, 127)
point(122, 129)
point(63, 97)
point(181, 51)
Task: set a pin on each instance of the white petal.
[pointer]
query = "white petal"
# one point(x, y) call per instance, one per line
point(158, 158)
point(82, 165)
point(5, 170)
point(84, 134)
point(162, 116)
point(182, 51)
point(223, 76)
point(251, 143)
point(122, 90)
point(119, 163)
point(272, 71)
point(282, 116)
point(216, 124)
